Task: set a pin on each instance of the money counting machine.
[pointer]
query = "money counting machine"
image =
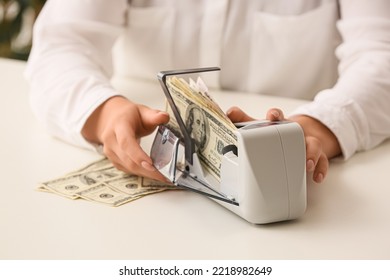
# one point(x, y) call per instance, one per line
point(263, 178)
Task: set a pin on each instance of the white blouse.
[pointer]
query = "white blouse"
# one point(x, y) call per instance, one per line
point(336, 53)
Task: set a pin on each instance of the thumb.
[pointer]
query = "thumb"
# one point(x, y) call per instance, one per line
point(151, 118)
point(275, 114)
point(235, 114)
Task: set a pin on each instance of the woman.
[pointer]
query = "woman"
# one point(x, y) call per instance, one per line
point(335, 53)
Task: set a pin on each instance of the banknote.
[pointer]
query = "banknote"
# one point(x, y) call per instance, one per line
point(102, 193)
point(73, 183)
point(205, 122)
point(101, 182)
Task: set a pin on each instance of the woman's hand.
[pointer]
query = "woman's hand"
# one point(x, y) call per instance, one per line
point(321, 144)
point(118, 124)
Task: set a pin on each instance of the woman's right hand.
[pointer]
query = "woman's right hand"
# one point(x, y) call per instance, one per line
point(118, 124)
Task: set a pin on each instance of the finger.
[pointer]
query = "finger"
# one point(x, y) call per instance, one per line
point(275, 114)
point(136, 161)
point(130, 152)
point(122, 147)
point(150, 118)
point(235, 114)
point(134, 169)
point(321, 169)
point(126, 164)
point(115, 161)
point(146, 170)
point(313, 152)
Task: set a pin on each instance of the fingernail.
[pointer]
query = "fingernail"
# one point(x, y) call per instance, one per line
point(163, 113)
point(275, 114)
point(310, 165)
point(319, 178)
point(228, 112)
point(148, 166)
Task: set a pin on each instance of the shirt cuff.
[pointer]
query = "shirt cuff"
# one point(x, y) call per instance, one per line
point(342, 116)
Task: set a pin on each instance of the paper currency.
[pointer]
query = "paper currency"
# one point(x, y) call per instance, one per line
point(101, 182)
point(205, 121)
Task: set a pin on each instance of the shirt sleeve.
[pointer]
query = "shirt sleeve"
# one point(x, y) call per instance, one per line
point(70, 63)
point(356, 109)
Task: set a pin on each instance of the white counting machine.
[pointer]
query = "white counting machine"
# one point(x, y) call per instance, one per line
point(263, 178)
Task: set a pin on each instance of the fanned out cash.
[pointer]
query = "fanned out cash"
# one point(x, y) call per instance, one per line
point(205, 121)
point(101, 182)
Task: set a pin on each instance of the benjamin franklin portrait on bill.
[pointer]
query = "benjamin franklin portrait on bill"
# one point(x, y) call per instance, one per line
point(197, 126)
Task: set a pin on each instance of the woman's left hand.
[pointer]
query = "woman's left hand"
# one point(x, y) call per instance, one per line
point(321, 143)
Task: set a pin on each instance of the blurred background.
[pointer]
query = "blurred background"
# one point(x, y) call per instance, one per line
point(16, 21)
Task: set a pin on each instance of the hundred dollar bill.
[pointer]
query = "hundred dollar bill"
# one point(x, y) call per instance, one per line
point(133, 185)
point(70, 185)
point(206, 123)
point(101, 182)
point(104, 194)
point(53, 186)
point(200, 87)
point(198, 92)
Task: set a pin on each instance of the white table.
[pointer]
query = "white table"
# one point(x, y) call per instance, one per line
point(348, 216)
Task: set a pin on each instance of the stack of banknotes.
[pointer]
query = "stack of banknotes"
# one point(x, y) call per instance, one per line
point(101, 182)
point(206, 123)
